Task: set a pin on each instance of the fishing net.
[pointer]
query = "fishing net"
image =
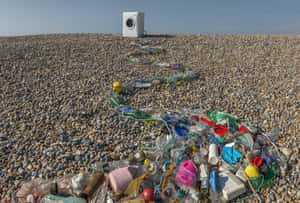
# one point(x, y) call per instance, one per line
point(268, 179)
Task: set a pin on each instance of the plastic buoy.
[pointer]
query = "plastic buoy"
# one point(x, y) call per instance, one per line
point(252, 171)
point(117, 87)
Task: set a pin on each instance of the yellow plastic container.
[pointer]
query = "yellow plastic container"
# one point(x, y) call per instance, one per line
point(117, 87)
point(252, 171)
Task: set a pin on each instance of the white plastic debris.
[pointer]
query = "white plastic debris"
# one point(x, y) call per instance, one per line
point(213, 154)
point(233, 187)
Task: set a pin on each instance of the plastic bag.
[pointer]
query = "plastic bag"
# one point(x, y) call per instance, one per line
point(231, 155)
point(78, 183)
point(220, 117)
point(214, 181)
point(134, 186)
point(246, 140)
point(37, 188)
point(93, 183)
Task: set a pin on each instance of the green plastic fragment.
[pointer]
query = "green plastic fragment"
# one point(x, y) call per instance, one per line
point(218, 117)
point(181, 193)
point(139, 115)
point(222, 140)
point(246, 139)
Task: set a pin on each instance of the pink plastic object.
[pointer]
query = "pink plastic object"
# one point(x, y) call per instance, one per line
point(120, 178)
point(186, 174)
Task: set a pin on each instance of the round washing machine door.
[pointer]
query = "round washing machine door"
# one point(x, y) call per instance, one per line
point(130, 23)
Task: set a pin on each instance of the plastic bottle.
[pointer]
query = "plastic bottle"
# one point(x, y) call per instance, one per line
point(203, 177)
point(213, 154)
point(214, 197)
point(163, 143)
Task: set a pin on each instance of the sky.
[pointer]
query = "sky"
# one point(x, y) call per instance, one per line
point(27, 17)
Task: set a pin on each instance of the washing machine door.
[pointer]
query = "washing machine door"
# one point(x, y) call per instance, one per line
point(130, 23)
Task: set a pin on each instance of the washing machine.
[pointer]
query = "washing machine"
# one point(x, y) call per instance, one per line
point(133, 24)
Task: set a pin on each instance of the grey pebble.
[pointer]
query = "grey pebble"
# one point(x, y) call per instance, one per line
point(271, 197)
point(3, 136)
point(293, 159)
point(298, 195)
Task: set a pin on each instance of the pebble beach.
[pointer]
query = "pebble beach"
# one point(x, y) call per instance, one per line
point(55, 118)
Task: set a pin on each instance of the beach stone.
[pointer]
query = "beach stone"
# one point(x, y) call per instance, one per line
point(271, 197)
point(3, 136)
point(298, 195)
point(293, 159)
point(286, 151)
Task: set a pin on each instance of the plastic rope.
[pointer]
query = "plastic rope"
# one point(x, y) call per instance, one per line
point(173, 78)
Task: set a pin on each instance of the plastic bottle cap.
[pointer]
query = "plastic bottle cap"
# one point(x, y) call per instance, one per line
point(258, 161)
point(196, 118)
point(146, 161)
point(148, 195)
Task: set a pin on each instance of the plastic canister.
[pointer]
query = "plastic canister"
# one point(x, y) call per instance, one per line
point(120, 178)
point(252, 171)
point(233, 187)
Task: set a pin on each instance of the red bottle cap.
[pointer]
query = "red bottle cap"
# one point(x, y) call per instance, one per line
point(258, 161)
point(196, 118)
point(148, 195)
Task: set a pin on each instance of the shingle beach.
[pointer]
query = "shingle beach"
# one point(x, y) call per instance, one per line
point(55, 117)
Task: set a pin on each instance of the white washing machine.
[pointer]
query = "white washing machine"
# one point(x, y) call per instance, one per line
point(133, 24)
